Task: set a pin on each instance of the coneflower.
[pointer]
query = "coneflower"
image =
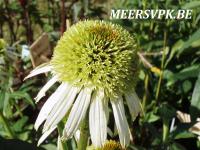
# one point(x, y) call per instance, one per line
point(95, 63)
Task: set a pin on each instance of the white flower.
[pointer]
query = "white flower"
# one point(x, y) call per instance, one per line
point(95, 63)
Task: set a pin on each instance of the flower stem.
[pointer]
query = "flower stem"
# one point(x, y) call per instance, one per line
point(6, 125)
point(65, 145)
point(162, 67)
point(146, 82)
point(82, 144)
point(165, 130)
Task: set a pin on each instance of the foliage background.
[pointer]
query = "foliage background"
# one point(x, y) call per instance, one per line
point(173, 46)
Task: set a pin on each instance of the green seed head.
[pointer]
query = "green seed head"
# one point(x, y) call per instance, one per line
point(99, 54)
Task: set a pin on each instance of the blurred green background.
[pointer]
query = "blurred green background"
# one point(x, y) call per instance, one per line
point(172, 46)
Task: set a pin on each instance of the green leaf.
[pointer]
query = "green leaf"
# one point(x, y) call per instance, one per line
point(166, 111)
point(24, 135)
point(198, 144)
point(191, 5)
point(2, 95)
point(22, 95)
point(187, 85)
point(7, 108)
point(18, 126)
point(3, 132)
point(196, 44)
point(194, 37)
point(184, 135)
point(176, 146)
point(151, 44)
point(189, 72)
point(49, 147)
point(27, 84)
point(174, 50)
point(151, 117)
point(195, 102)
point(182, 131)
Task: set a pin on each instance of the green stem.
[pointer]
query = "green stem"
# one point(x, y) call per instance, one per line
point(162, 66)
point(66, 145)
point(6, 125)
point(146, 80)
point(158, 87)
point(165, 130)
point(82, 144)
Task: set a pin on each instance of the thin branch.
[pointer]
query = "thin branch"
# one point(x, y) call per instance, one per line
point(144, 60)
point(148, 64)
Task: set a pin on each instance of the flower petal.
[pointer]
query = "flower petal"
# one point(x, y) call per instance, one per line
point(59, 143)
point(38, 70)
point(97, 119)
point(77, 113)
point(42, 92)
point(133, 103)
point(45, 135)
point(61, 108)
point(195, 128)
point(120, 120)
point(49, 104)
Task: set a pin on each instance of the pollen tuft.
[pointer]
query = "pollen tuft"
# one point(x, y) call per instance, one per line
point(112, 145)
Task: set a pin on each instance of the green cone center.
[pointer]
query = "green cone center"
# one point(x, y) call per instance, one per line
point(99, 54)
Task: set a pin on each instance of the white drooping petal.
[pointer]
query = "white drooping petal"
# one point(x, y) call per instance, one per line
point(38, 70)
point(61, 108)
point(45, 135)
point(77, 135)
point(78, 112)
point(42, 92)
point(97, 118)
point(120, 120)
point(133, 103)
point(49, 104)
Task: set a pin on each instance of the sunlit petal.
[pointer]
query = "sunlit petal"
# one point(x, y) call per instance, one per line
point(49, 104)
point(42, 92)
point(61, 108)
point(133, 103)
point(45, 135)
point(78, 112)
point(120, 120)
point(38, 70)
point(97, 119)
